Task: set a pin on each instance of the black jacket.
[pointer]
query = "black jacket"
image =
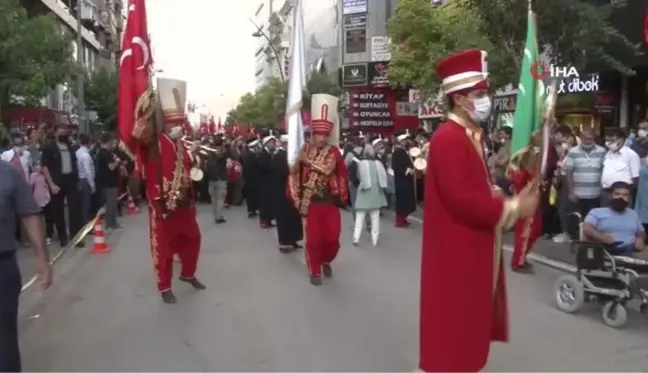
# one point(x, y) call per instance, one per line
point(51, 158)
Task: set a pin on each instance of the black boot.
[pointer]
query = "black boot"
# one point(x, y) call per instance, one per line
point(194, 282)
point(327, 270)
point(315, 281)
point(168, 297)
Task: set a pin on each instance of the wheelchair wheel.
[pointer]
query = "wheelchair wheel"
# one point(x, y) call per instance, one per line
point(569, 294)
point(614, 314)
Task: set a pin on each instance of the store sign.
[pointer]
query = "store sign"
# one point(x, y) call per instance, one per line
point(377, 74)
point(354, 75)
point(414, 95)
point(579, 85)
point(430, 109)
point(355, 41)
point(355, 21)
point(370, 110)
point(380, 48)
point(354, 6)
point(505, 103)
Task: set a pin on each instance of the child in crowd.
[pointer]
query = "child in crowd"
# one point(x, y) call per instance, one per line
point(39, 187)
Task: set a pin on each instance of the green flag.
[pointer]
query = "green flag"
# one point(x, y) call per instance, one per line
point(530, 96)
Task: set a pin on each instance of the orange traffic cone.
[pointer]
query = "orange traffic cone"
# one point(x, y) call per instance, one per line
point(100, 246)
point(132, 209)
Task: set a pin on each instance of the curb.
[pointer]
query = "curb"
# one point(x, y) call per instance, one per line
point(536, 258)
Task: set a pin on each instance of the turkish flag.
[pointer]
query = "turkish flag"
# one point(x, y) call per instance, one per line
point(212, 126)
point(134, 71)
point(219, 126)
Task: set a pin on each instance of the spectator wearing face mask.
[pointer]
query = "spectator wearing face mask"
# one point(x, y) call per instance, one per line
point(616, 225)
point(581, 180)
point(620, 164)
point(640, 145)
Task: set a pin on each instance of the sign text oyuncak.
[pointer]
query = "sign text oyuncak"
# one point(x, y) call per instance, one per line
point(370, 110)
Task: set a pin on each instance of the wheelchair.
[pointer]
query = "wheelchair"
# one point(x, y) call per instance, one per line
point(604, 278)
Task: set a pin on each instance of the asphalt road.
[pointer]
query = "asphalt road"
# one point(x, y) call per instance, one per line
point(259, 312)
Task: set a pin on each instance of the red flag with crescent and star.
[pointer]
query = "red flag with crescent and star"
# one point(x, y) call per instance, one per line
point(212, 126)
point(134, 73)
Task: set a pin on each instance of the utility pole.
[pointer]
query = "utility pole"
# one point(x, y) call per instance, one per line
point(81, 73)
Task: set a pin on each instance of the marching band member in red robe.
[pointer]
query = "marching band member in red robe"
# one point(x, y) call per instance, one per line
point(463, 293)
point(172, 212)
point(318, 185)
point(523, 169)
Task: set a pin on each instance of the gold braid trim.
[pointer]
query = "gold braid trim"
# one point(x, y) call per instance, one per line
point(144, 113)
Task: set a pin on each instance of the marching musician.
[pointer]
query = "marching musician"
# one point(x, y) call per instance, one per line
point(404, 180)
point(216, 167)
point(289, 224)
point(523, 169)
point(319, 187)
point(267, 205)
point(464, 228)
point(167, 165)
point(251, 177)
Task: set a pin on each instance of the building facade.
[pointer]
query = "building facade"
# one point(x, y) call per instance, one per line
point(102, 24)
point(322, 38)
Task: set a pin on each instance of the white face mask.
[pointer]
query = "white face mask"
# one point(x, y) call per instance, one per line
point(642, 133)
point(175, 132)
point(482, 109)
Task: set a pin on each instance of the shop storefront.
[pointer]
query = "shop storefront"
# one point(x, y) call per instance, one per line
point(590, 101)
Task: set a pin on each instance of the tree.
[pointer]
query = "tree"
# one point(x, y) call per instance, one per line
point(268, 104)
point(230, 118)
point(423, 34)
point(571, 30)
point(320, 82)
point(575, 33)
point(35, 55)
point(101, 96)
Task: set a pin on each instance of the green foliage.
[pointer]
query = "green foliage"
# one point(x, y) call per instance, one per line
point(423, 34)
point(101, 96)
point(268, 104)
point(35, 54)
point(577, 32)
point(320, 83)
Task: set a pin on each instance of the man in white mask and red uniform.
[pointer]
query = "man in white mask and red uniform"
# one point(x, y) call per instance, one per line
point(172, 211)
point(461, 315)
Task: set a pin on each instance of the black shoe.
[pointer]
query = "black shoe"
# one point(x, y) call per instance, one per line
point(524, 270)
point(194, 282)
point(327, 271)
point(64, 243)
point(252, 215)
point(315, 281)
point(168, 297)
point(80, 245)
point(285, 249)
point(220, 221)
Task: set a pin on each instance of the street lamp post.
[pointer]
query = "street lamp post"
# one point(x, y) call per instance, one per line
point(260, 33)
point(81, 73)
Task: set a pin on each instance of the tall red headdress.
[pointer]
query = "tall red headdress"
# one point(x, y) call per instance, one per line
point(466, 70)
